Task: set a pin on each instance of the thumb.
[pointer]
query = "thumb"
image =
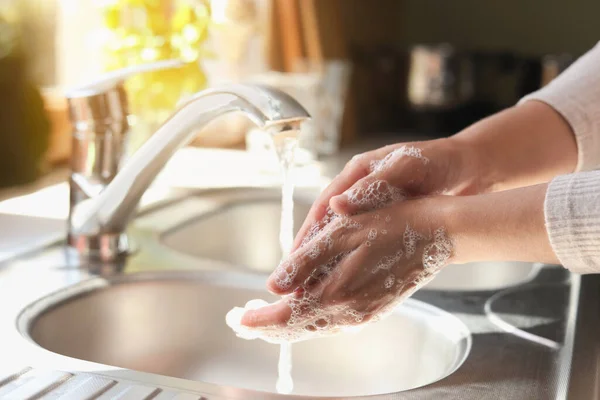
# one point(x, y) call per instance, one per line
point(341, 205)
point(367, 194)
point(274, 314)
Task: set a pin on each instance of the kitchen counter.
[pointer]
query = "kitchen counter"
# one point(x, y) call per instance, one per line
point(533, 341)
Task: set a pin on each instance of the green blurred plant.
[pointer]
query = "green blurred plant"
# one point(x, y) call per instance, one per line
point(143, 31)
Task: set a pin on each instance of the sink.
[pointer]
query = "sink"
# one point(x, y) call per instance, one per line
point(173, 324)
point(244, 232)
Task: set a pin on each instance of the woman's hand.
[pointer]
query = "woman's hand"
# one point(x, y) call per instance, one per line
point(414, 169)
point(355, 269)
point(520, 146)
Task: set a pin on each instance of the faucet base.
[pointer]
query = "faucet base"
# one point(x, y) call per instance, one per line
point(102, 248)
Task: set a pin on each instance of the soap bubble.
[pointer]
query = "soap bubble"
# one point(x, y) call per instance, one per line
point(390, 158)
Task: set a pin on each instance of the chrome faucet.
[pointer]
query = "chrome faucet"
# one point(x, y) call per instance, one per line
point(104, 195)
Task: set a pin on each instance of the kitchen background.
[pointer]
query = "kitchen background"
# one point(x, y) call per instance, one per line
point(362, 68)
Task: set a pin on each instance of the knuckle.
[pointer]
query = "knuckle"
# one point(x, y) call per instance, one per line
point(302, 262)
point(359, 161)
point(322, 206)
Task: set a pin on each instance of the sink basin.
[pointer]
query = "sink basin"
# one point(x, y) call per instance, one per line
point(174, 325)
point(245, 233)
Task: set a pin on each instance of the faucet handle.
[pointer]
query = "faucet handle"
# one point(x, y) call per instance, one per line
point(98, 112)
point(111, 79)
point(104, 100)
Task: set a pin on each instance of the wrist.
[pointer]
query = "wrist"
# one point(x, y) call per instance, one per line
point(521, 146)
point(502, 226)
point(466, 170)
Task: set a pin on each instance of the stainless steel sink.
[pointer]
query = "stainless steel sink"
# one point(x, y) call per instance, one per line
point(174, 325)
point(244, 232)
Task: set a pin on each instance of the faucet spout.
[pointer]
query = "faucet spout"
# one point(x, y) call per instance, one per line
point(109, 212)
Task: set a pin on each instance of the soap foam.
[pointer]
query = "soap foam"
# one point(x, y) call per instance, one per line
point(335, 222)
point(393, 156)
point(411, 238)
point(309, 318)
point(372, 235)
point(376, 195)
point(389, 160)
point(284, 274)
point(437, 254)
point(389, 281)
point(387, 262)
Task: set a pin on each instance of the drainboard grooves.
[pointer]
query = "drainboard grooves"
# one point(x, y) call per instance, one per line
point(168, 395)
point(81, 387)
point(35, 384)
point(11, 376)
point(101, 392)
point(51, 387)
point(153, 394)
point(129, 391)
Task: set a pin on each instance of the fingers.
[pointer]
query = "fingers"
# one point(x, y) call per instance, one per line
point(314, 261)
point(395, 177)
point(356, 169)
point(298, 270)
point(317, 213)
point(347, 285)
point(352, 273)
point(272, 315)
point(293, 271)
point(367, 194)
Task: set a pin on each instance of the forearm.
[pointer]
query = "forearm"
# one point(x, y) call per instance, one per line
point(521, 146)
point(553, 131)
point(502, 226)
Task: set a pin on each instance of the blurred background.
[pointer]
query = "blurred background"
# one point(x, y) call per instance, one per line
point(362, 68)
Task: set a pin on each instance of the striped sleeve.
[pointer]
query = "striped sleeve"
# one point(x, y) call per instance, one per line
point(572, 212)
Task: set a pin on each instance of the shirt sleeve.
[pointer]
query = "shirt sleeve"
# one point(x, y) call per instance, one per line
point(572, 212)
point(575, 94)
